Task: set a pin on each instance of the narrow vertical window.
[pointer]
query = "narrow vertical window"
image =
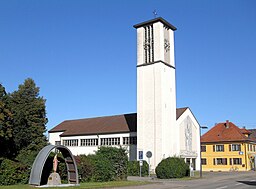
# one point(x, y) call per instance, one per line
point(149, 44)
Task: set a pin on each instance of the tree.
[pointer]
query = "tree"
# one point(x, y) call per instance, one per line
point(22, 127)
point(29, 117)
point(6, 127)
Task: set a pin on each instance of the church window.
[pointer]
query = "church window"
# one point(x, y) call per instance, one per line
point(110, 141)
point(129, 140)
point(72, 142)
point(89, 142)
point(149, 44)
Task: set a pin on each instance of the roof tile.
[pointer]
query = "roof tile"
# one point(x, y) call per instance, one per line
point(225, 132)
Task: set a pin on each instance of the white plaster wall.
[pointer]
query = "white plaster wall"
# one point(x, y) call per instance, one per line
point(77, 150)
point(140, 47)
point(52, 137)
point(172, 49)
point(158, 41)
point(171, 130)
point(156, 100)
point(188, 118)
point(146, 119)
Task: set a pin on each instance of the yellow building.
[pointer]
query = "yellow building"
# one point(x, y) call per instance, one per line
point(226, 147)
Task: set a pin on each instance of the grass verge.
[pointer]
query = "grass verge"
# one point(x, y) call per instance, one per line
point(86, 185)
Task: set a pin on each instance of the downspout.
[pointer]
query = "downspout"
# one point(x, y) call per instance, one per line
point(245, 156)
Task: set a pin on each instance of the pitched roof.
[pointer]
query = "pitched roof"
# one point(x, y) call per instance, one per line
point(97, 125)
point(225, 132)
point(180, 111)
point(102, 125)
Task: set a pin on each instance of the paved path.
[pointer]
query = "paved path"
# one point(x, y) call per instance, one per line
point(212, 180)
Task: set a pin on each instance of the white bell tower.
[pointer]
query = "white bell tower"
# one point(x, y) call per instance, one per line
point(157, 130)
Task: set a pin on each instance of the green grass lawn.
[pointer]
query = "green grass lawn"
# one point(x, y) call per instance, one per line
point(86, 185)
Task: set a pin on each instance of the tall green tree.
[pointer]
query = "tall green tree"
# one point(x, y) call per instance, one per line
point(29, 113)
point(6, 126)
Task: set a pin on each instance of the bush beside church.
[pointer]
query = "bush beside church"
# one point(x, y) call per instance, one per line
point(172, 167)
point(107, 164)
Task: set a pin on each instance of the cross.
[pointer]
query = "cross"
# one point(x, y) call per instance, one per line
point(155, 13)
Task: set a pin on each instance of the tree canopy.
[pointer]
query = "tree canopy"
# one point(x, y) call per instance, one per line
point(6, 125)
point(29, 116)
point(22, 126)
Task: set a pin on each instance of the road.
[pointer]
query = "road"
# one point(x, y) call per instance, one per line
point(211, 180)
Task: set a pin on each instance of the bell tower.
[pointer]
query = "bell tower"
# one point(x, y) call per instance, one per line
point(157, 130)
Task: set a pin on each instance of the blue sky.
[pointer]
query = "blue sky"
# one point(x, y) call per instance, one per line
point(82, 55)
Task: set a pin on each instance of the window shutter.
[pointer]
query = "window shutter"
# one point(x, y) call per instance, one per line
point(214, 149)
point(214, 161)
point(230, 147)
point(230, 161)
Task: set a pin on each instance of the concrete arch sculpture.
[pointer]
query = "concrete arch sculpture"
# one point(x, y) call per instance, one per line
point(38, 165)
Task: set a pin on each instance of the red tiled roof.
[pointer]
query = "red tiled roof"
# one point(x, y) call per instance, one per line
point(245, 131)
point(225, 132)
point(102, 125)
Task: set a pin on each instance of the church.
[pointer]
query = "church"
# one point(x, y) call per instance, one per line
point(158, 130)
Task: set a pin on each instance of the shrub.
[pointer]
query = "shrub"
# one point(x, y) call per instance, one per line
point(107, 164)
point(172, 167)
point(103, 169)
point(12, 172)
point(134, 168)
point(85, 167)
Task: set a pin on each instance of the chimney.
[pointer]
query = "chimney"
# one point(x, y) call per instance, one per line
point(227, 124)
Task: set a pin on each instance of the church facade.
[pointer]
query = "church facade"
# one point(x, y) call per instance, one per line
point(158, 130)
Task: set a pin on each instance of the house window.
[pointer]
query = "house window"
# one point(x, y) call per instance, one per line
point(129, 140)
point(218, 148)
point(110, 141)
point(89, 142)
point(72, 142)
point(220, 161)
point(203, 161)
point(57, 143)
point(203, 148)
point(237, 161)
point(235, 147)
point(249, 147)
